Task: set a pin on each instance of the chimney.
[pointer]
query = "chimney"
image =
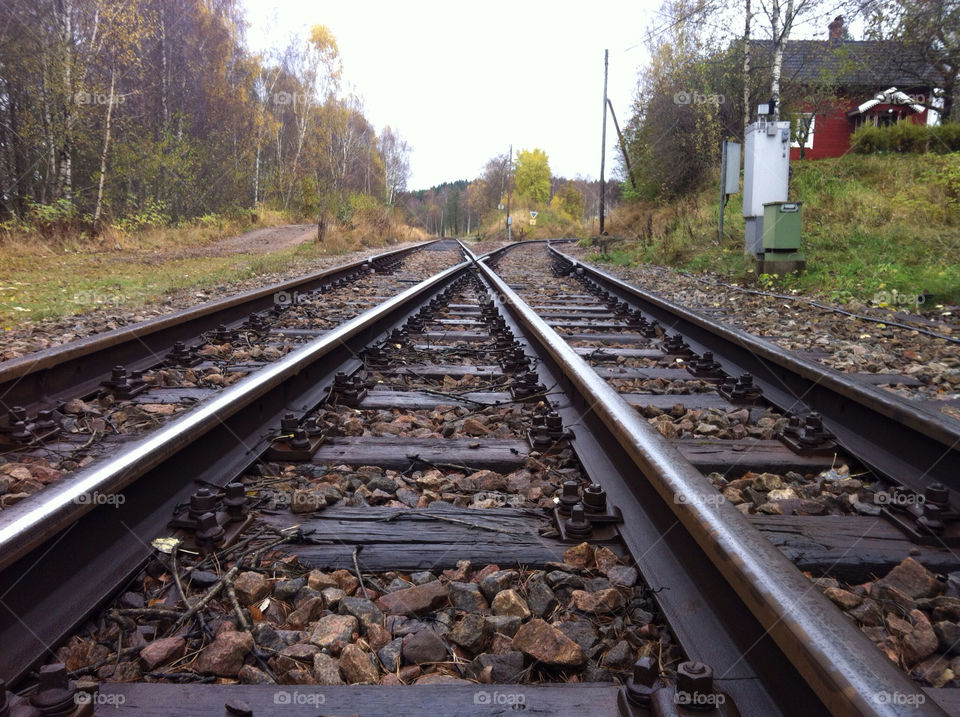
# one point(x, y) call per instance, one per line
point(836, 28)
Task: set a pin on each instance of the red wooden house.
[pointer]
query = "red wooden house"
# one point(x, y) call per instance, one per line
point(839, 85)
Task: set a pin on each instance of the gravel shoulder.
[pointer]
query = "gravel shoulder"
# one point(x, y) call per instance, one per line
point(845, 343)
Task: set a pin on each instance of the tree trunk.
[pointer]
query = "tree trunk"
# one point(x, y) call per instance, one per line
point(779, 44)
point(106, 146)
point(746, 69)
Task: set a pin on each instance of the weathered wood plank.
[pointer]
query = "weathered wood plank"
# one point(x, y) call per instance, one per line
point(608, 338)
point(425, 539)
point(398, 452)
point(418, 400)
point(614, 352)
point(852, 547)
point(441, 370)
point(689, 401)
point(595, 308)
point(737, 457)
point(671, 374)
point(586, 323)
point(470, 336)
point(466, 699)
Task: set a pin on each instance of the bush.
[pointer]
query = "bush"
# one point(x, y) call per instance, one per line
point(906, 137)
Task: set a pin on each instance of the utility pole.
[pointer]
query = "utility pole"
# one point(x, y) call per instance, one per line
point(603, 148)
point(509, 185)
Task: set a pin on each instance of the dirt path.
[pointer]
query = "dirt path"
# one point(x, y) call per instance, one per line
point(258, 241)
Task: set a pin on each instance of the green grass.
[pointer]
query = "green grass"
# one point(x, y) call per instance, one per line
point(870, 224)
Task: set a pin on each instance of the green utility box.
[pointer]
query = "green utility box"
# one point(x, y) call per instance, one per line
point(782, 252)
point(781, 226)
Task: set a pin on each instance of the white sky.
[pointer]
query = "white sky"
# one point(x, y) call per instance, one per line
point(462, 81)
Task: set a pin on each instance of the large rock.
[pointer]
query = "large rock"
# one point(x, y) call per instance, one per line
point(251, 587)
point(250, 675)
point(471, 632)
point(547, 644)
point(224, 656)
point(579, 555)
point(581, 632)
point(509, 602)
point(364, 610)
point(467, 597)
point(326, 669)
point(358, 667)
point(308, 611)
point(619, 657)
point(497, 581)
point(540, 597)
point(416, 600)
point(160, 652)
point(506, 667)
point(921, 642)
point(909, 578)
point(503, 624)
point(334, 631)
point(424, 646)
point(390, 655)
point(600, 602)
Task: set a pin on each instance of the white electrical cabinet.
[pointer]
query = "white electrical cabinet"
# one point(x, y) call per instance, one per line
point(766, 175)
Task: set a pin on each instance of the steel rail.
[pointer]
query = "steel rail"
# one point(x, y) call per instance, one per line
point(50, 590)
point(843, 667)
point(43, 377)
point(35, 519)
point(903, 441)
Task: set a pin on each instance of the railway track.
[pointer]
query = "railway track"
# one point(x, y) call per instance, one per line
point(439, 504)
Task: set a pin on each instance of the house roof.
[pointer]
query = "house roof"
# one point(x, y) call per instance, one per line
point(849, 63)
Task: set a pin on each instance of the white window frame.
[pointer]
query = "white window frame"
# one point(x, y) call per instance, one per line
point(813, 126)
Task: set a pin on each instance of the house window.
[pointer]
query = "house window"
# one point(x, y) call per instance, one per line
point(805, 123)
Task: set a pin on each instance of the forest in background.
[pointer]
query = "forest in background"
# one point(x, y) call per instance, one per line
point(139, 113)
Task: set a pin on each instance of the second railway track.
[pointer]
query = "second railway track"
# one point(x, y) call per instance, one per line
point(438, 505)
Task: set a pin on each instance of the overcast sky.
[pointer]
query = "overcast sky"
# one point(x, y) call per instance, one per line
point(462, 81)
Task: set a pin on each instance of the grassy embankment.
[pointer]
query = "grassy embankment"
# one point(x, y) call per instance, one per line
point(45, 277)
point(871, 224)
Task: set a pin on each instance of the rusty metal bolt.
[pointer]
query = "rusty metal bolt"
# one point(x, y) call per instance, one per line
point(288, 424)
point(201, 502)
point(595, 498)
point(54, 695)
point(210, 532)
point(931, 521)
point(569, 496)
point(312, 427)
point(643, 681)
point(695, 685)
point(937, 494)
point(235, 501)
point(555, 425)
point(300, 440)
point(578, 524)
